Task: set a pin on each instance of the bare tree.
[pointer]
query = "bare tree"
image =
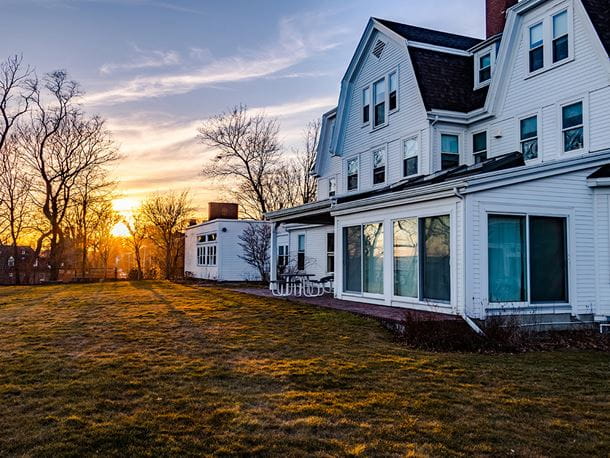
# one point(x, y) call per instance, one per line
point(304, 162)
point(91, 198)
point(248, 151)
point(15, 201)
point(103, 241)
point(61, 144)
point(255, 244)
point(166, 214)
point(138, 232)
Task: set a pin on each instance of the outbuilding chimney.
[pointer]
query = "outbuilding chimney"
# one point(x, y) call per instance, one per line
point(495, 14)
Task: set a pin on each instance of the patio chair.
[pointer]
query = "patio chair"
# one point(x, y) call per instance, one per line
point(319, 287)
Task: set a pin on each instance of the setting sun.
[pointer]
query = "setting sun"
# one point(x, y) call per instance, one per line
point(120, 230)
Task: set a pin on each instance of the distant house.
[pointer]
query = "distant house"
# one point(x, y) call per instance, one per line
point(32, 270)
point(212, 250)
point(468, 176)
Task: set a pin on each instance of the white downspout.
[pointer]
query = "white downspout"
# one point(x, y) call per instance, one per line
point(462, 312)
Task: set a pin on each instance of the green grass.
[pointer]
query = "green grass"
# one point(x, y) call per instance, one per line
point(162, 369)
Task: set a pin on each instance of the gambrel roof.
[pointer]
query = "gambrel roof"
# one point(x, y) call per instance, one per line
point(599, 13)
point(446, 80)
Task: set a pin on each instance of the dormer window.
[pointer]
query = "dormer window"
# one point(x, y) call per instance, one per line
point(379, 103)
point(450, 151)
point(536, 47)
point(479, 147)
point(484, 68)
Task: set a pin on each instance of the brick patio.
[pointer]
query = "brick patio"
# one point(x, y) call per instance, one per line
point(380, 312)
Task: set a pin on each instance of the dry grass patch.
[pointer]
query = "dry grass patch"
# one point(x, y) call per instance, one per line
point(157, 368)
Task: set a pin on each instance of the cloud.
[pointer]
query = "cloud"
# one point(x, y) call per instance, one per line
point(298, 40)
point(146, 59)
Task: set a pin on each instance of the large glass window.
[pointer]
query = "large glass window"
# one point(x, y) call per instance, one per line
point(379, 103)
point(379, 166)
point(372, 258)
point(572, 127)
point(548, 259)
point(352, 259)
point(406, 269)
point(363, 259)
point(529, 137)
point(352, 174)
point(301, 252)
point(536, 60)
point(409, 158)
point(393, 92)
point(450, 151)
point(511, 251)
point(330, 252)
point(479, 147)
point(560, 36)
point(435, 258)
point(485, 68)
point(366, 105)
point(507, 258)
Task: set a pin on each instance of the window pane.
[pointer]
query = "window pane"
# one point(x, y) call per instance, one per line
point(449, 144)
point(436, 258)
point(536, 35)
point(372, 267)
point(392, 82)
point(572, 115)
point(529, 128)
point(379, 91)
point(485, 61)
point(410, 166)
point(560, 49)
point(536, 59)
point(352, 166)
point(330, 242)
point(480, 157)
point(378, 159)
point(448, 161)
point(352, 246)
point(405, 258)
point(479, 142)
point(366, 97)
point(301, 242)
point(332, 186)
point(560, 24)
point(484, 75)
point(529, 149)
point(548, 259)
point(380, 113)
point(410, 148)
point(506, 258)
point(573, 139)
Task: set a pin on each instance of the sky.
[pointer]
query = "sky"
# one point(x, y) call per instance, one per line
point(156, 69)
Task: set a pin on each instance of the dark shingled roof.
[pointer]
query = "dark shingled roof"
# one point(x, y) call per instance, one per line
point(602, 172)
point(599, 12)
point(433, 37)
point(446, 80)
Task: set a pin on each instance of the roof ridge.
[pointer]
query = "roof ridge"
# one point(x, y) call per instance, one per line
point(426, 29)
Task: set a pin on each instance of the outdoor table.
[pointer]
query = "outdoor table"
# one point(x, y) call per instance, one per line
point(293, 280)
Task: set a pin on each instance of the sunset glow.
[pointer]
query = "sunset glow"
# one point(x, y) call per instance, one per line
point(120, 230)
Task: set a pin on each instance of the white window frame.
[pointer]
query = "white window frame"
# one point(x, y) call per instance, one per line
point(332, 178)
point(384, 153)
point(499, 208)
point(362, 105)
point(585, 125)
point(394, 72)
point(299, 251)
point(475, 153)
point(385, 102)
point(459, 135)
point(477, 66)
point(403, 141)
point(538, 115)
point(330, 253)
point(547, 30)
point(347, 161)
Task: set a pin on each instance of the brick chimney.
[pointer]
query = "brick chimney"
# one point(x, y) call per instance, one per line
point(495, 12)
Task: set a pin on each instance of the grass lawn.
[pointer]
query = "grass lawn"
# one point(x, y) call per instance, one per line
point(154, 368)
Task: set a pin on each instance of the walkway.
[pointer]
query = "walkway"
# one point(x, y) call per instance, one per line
point(381, 312)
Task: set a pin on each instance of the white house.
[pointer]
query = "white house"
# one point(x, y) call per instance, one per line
point(213, 249)
point(469, 176)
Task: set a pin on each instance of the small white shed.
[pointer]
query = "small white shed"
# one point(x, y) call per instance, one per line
point(212, 251)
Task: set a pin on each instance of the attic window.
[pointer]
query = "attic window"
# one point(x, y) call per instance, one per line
point(378, 49)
